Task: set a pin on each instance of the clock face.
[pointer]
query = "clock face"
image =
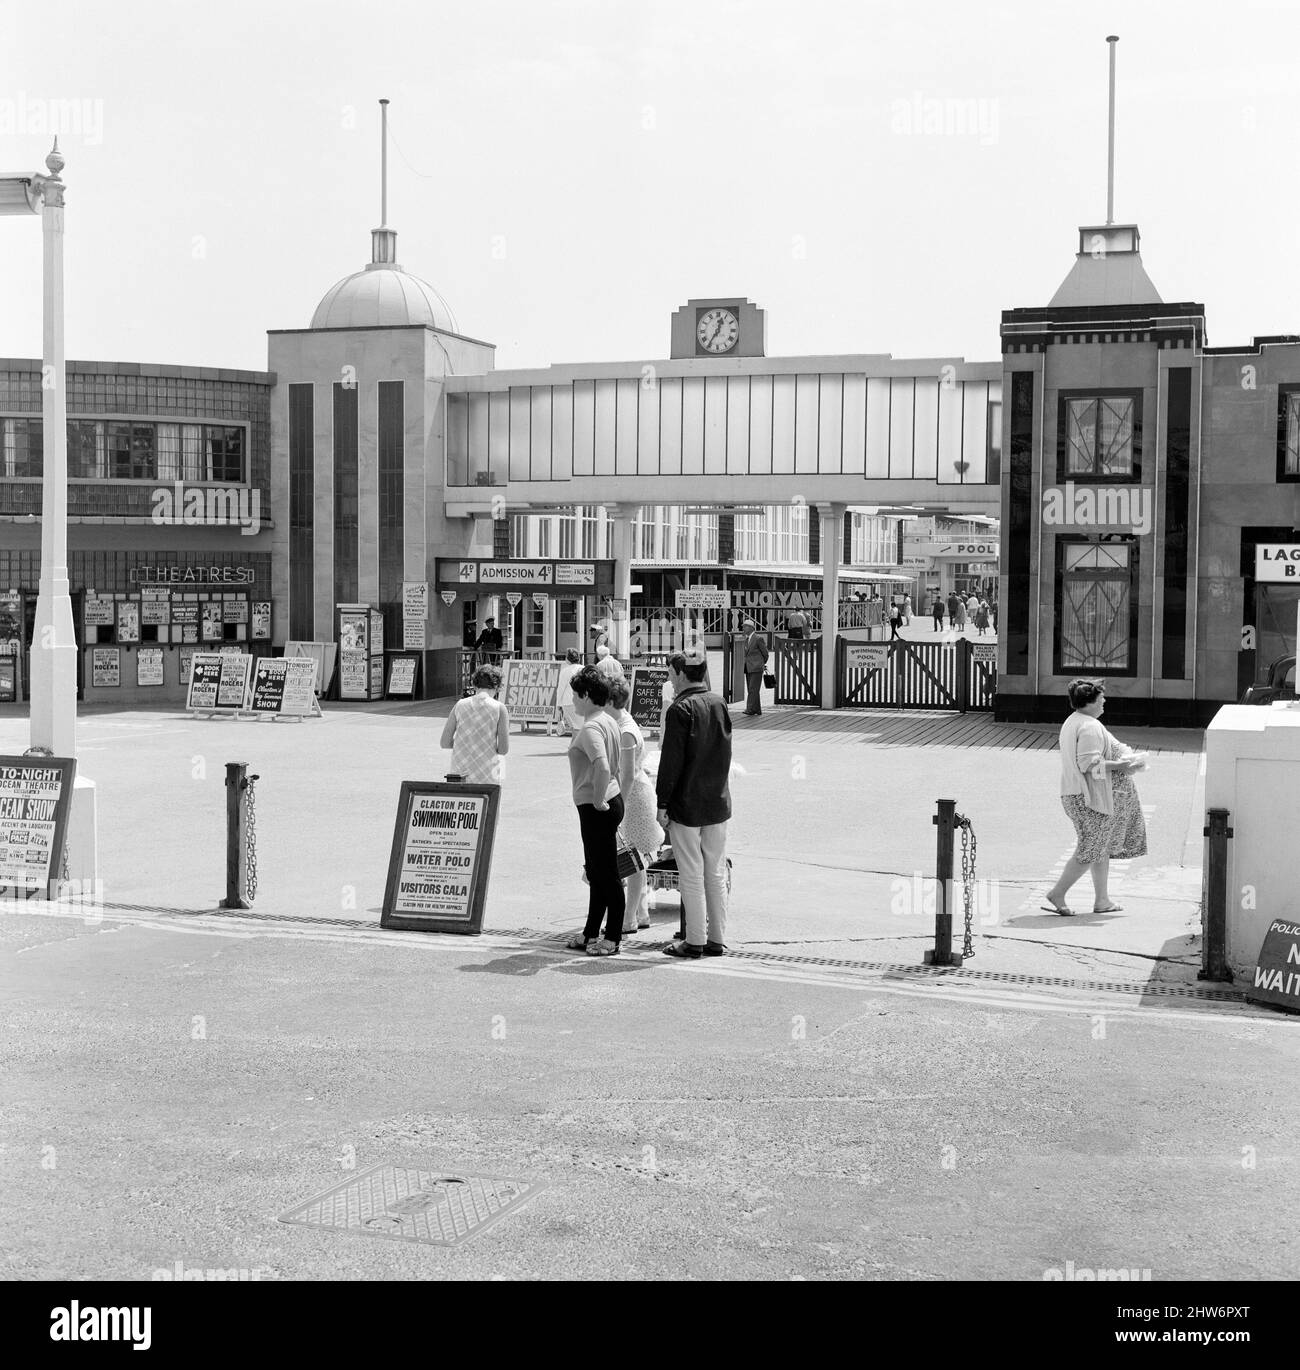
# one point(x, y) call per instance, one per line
point(717, 330)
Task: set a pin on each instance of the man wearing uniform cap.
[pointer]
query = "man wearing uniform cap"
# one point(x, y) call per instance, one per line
point(755, 665)
point(695, 799)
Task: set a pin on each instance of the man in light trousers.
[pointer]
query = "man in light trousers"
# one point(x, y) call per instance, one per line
point(695, 802)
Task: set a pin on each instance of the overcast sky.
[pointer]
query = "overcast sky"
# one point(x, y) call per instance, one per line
point(878, 177)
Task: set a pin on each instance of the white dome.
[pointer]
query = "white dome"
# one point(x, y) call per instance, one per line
point(383, 296)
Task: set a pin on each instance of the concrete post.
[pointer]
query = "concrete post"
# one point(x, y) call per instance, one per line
point(832, 540)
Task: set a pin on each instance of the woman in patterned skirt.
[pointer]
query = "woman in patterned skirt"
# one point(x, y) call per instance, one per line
point(478, 731)
point(640, 828)
point(1099, 797)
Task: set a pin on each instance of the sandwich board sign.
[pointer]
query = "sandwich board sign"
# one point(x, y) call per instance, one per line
point(1277, 972)
point(219, 682)
point(529, 689)
point(284, 687)
point(441, 857)
point(35, 799)
point(646, 703)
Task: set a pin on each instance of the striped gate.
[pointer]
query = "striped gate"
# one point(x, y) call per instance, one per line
point(798, 670)
point(914, 675)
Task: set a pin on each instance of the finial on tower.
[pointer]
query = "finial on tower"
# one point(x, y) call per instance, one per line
point(383, 240)
point(1111, 39)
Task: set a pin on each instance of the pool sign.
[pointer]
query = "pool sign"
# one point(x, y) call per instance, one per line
point(1278, 561)
point(441, 857)
point(866, 656)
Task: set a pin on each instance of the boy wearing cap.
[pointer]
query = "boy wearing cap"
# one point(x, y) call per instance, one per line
point(694, 797)
point(755, 665)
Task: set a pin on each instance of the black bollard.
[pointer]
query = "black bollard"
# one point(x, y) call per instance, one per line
point(1214, 947)
point(942, 955)
point(236, 853)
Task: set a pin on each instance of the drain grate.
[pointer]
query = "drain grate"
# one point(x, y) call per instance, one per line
point(433, 1207)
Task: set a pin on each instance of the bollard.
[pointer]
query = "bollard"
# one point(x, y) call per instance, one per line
point(237, 797)
point(942, 955)
point(1214, 948)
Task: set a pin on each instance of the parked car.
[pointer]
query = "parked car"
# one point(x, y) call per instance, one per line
point(1279, 685)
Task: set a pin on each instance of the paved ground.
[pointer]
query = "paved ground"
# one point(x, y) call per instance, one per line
point(814, 1105)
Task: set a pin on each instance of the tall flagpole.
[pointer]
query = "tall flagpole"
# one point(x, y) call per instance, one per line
point(1110, 138)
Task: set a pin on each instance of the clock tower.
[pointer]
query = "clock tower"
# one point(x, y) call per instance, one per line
point(725, 327)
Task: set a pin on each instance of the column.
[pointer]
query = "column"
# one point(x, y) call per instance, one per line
point(832, 539)
point(621, 516)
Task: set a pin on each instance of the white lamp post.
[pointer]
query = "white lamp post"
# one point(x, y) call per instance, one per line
point(54, 644)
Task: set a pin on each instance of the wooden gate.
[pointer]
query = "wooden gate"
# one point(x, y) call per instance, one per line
point(798, 670)
point(915, 675)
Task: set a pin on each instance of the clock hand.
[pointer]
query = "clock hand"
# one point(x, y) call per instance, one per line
point(717, 328)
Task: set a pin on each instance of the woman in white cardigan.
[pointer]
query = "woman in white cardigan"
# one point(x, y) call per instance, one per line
point(1098, 796)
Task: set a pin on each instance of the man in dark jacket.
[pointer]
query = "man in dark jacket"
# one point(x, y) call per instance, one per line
point(694, 798)
point(755, 665)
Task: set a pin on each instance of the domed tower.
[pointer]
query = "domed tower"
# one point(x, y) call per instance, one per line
point(357, 453)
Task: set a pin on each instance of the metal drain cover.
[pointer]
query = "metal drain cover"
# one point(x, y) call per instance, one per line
point(436, 1207)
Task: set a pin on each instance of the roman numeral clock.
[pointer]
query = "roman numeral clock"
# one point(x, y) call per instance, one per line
point(719, 328)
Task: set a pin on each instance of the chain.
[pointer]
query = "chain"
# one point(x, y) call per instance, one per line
point(968, 848)
point(250, 839)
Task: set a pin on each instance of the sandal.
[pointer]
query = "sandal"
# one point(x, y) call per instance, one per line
point(601, 946)
point(1064, 910)
point(577, 943)
point(1110, 908)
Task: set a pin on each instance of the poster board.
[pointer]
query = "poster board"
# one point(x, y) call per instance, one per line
point(376, 677)
point(149, 666)
point(97, 611)
point(284, 687)
point(441, 857)
point(128, 620)
point(156, 608)
point(403, 672)
point(219, 682)
point(324, 654)
point(106, 667)
point(530, 689)
point(415, 613)
point(261, 620)
point(647, 700)
point(8, 679)
point(213, 629)
point(35, 799)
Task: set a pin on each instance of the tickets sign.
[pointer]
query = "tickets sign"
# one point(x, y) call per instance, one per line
point(441, 856)
point(529, 689)
point(35, 798)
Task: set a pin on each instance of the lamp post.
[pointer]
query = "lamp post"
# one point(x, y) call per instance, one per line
point(54, 646)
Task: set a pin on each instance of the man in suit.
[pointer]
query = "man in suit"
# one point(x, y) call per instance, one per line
point(755, 665)
point(489, 640)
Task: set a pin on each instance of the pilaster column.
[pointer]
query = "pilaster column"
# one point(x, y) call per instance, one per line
point(621, 516)
point(832, 540)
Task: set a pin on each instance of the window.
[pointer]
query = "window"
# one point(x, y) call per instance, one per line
point(544, 536)
point(87, 450)
point(993, 469)
point(590, 528)
point(225, 454)
point(519, 535)
point(1288, 433)
point(1099, 436)
point(568, 536)
point(23, 448)
point(1096, 606)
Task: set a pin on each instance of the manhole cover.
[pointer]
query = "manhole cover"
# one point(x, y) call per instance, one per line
point(437, 1207)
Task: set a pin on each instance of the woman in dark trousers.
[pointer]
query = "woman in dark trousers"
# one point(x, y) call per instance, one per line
point(593, 768)
point(895, 617)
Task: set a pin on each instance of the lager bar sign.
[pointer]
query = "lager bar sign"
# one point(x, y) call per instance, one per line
point(1278, 561)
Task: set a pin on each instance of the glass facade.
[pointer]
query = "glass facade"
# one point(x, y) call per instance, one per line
point(346, 511)
point(301, 514)
point(391, 498)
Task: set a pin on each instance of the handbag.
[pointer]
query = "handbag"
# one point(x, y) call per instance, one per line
point(629, 860)
point(769, 680)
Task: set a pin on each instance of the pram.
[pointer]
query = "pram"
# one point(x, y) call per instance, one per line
point(661, 874)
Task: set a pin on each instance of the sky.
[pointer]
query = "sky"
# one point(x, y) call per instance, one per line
point(878, 177)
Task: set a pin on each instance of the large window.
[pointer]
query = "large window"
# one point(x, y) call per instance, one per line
point(1288, 433)
point(1099, 436)
point(22, 448)
point(121, 449)
point(1096, 606)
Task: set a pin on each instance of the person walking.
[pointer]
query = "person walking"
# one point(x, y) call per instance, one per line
point(570, 667)
point(982, 617)
point(1099, 797)
point(477, 732)
point(959, 621)
point(972, 603)
point(895, 618)
point(756, 654)
point(936, 609)
point(695, 799)
point(593, 769)
point(640, 828)
point(952, 609)
point(796, 623)
point(907, 611)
